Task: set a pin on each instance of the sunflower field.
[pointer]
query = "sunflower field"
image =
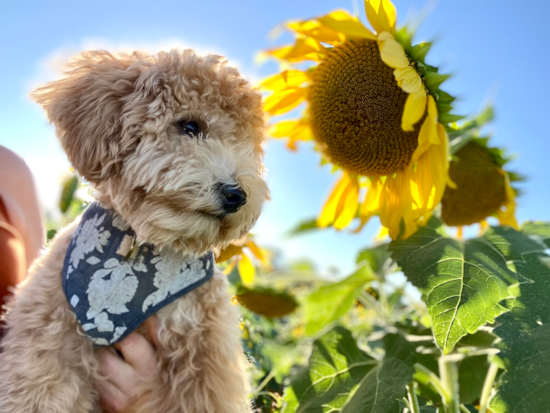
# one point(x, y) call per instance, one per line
point(471, 336)
point(476, 341)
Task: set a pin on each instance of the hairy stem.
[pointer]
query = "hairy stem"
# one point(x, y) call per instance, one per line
point(448, 372)
point(487, 387)
point(413, 400)
point(426, 376)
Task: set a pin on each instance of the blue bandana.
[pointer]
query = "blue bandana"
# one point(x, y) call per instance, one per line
point(113, 285)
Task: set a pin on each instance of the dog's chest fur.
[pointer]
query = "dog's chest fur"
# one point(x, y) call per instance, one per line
point(113, 285)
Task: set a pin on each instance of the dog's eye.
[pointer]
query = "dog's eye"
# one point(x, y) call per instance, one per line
point(188, 127)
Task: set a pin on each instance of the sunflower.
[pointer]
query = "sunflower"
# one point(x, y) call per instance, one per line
point(266, 301)
point(483, 187)
point(239, 255)
point(375, 111)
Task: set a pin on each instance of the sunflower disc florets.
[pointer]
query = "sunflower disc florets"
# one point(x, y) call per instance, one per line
point(356, 111)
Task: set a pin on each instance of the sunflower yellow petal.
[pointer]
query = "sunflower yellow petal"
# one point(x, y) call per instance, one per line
point(317, 31)
point(429, 134)
point(383, 36)
point(444, 140)
point(424, 182)
point(415, 106)
point(382, 234)
point(396, 204)
point(257, 251)
point(295, 130)
point(328, 212)
point(483, 224)
point(392, 53)
point(346, 24)
point(246, 270)
point(288, 79)
point(371, 7)
point(432, 115)
point(349, 205)
point(371, 203)
point(423, 140)
point(431, 175)
point(408, 79)
point(291, 145)
point(284, 101)
point(304, 49)
point(387, 15)
point(506, 214)
point(229, 252)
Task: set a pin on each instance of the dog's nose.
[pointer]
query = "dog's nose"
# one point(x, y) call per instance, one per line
point(233, 198)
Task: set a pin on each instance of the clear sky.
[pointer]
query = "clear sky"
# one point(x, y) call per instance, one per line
point(496, 49)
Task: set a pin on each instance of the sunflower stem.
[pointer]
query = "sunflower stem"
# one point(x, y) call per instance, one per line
point(487, 388)
point(448, 372)
point(369, 301)
point(464, 409)
point(427, 377)
point(263, 383)
point(413, 400)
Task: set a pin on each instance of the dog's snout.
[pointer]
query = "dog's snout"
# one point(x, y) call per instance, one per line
point(233, 198)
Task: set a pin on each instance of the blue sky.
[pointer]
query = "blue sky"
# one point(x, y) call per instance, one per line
point(496, 49)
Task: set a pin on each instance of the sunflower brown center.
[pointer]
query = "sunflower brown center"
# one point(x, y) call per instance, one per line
point(356, 110)
point(480, 187)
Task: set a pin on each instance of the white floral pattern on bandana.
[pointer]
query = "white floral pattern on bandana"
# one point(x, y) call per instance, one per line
point(90, 235)
point(111, 294)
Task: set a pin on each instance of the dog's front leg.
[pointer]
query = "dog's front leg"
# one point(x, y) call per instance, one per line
point(201, 358)
point(46, 365)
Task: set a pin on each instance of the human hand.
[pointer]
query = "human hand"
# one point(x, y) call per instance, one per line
point(120, 392)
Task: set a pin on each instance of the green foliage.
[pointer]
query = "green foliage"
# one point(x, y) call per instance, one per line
point(330, 302)
point(70, 206)
point(381, 346)
point(366, 344)
point(419, 51)
point(538, 230)
point(464, 283)
point(460, 135)
point(434, 79)
point(67, 193)
point(378, 259)
point(340, 377)
point(525, 335)
point(304, 227)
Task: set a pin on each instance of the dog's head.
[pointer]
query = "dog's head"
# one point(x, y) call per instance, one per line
point(171, 142)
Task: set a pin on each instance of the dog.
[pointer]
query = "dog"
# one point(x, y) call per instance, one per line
point(171, 145)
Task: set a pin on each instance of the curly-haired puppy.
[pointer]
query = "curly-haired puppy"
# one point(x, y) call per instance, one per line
point(171, 145)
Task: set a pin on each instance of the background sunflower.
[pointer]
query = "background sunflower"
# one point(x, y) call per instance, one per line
point(483, 182)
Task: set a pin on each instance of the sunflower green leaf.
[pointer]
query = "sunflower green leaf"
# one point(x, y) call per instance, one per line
point(465, 284)
point(524, 334)
point(331, 301)
point(538, 230)
point(340, 377)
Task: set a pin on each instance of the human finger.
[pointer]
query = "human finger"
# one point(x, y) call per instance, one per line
point(117, 371)
point(138, 353)
point(111, 398)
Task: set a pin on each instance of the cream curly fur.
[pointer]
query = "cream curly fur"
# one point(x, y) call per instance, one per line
point(115, 116)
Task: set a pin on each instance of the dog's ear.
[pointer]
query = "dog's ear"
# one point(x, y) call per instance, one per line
point(86, 108)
